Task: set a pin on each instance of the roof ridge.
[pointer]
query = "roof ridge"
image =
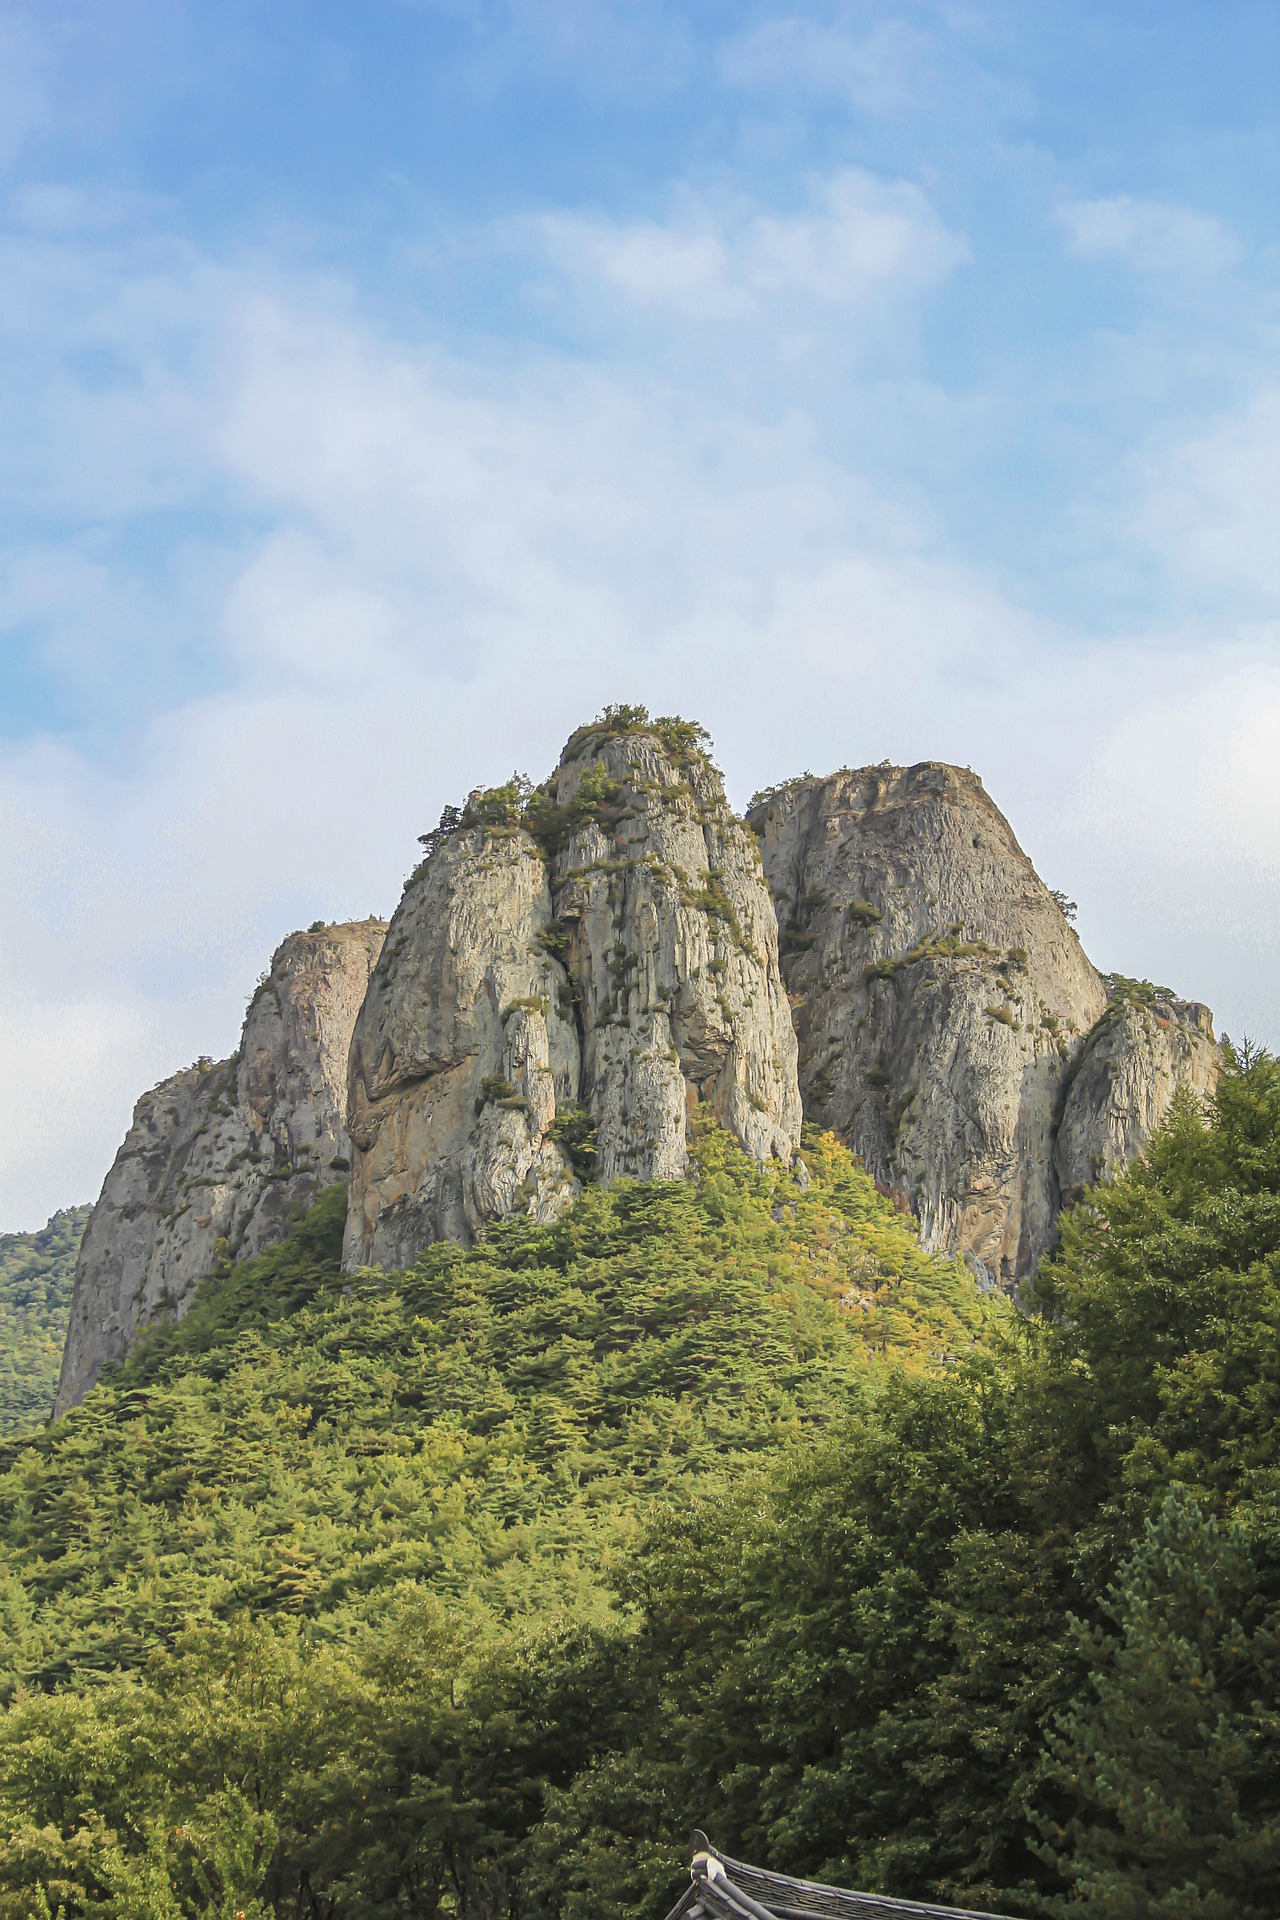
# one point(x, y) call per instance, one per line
point(727, 1889)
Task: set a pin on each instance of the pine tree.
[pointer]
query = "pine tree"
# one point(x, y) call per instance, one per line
point(1171, 1758)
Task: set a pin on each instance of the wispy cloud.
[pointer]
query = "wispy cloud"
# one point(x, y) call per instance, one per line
point(453, 564)
point(1153, 236)
point(1178, 818)
point(861, 242)
point(880, 69)
point(1211, 505)
point(309, 549)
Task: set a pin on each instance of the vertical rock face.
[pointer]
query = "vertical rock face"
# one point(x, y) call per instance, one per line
point(951, 1027)
point(560, 985)
point(1144, 1048)
point(462, 1056)
point(220, 1158)
point(670, 941)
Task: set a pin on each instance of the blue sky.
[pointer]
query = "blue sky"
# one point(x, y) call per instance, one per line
point(387, 387)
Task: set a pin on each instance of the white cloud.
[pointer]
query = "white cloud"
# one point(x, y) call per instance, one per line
point(1151, 235)
point(457, 566)
point(100, 1053)
point(861, 242)
point(1212, 506)
point(1178, 817)
point(426, 568)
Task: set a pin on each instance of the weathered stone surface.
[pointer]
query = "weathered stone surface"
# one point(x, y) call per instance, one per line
point(462, 1054)
point(944, 1003)
point(219, 1159)
point(1142, 1050)
point(600, 974)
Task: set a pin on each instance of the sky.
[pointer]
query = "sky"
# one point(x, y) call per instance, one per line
point(388, 386)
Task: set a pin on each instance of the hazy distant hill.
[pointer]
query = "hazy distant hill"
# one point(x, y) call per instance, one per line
point(36, 1272)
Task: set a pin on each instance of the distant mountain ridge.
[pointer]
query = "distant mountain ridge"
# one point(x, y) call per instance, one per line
point(575, 970)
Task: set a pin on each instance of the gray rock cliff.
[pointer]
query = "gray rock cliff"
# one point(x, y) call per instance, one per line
point(220, 1159)
point(1146, 1045)
point(573, 971)
point(564, 979)
point(952, 1029)
point(462, 1055)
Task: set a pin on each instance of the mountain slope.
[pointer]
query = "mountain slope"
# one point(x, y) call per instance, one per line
point(37, 1271)
point(493, 1423)
point(462, 1592)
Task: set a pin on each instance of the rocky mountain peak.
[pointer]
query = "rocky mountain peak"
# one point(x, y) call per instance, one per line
point(575, 968)
point(946, 1010)
point(598, 955)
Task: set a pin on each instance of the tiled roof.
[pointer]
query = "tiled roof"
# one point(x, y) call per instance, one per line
point(726, 1889)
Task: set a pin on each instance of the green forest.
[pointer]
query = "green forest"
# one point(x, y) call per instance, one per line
point(36, 1272)
point(469, 1590)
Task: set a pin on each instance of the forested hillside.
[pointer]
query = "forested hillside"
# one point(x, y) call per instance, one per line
point(468, 1591)
point(36, 1273)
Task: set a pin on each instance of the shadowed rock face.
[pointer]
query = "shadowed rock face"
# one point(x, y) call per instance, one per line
point(221, 1158)
point(565, 992)
point(951, 1028)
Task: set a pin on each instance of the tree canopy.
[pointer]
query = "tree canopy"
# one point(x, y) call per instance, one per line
point(468, 1590)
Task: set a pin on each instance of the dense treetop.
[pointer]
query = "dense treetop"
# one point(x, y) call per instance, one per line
point(467, 1591)
point(492, 1424)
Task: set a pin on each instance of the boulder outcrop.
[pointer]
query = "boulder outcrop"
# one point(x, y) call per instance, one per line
point(221, 1158)
point(568, 974)
point(1146, 1045)
point(951, 1027)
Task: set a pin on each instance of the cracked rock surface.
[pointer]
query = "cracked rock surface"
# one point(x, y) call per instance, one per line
point(952, 1029)
point(558, 991)
point(221, 1158)
point(1131, 1064)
